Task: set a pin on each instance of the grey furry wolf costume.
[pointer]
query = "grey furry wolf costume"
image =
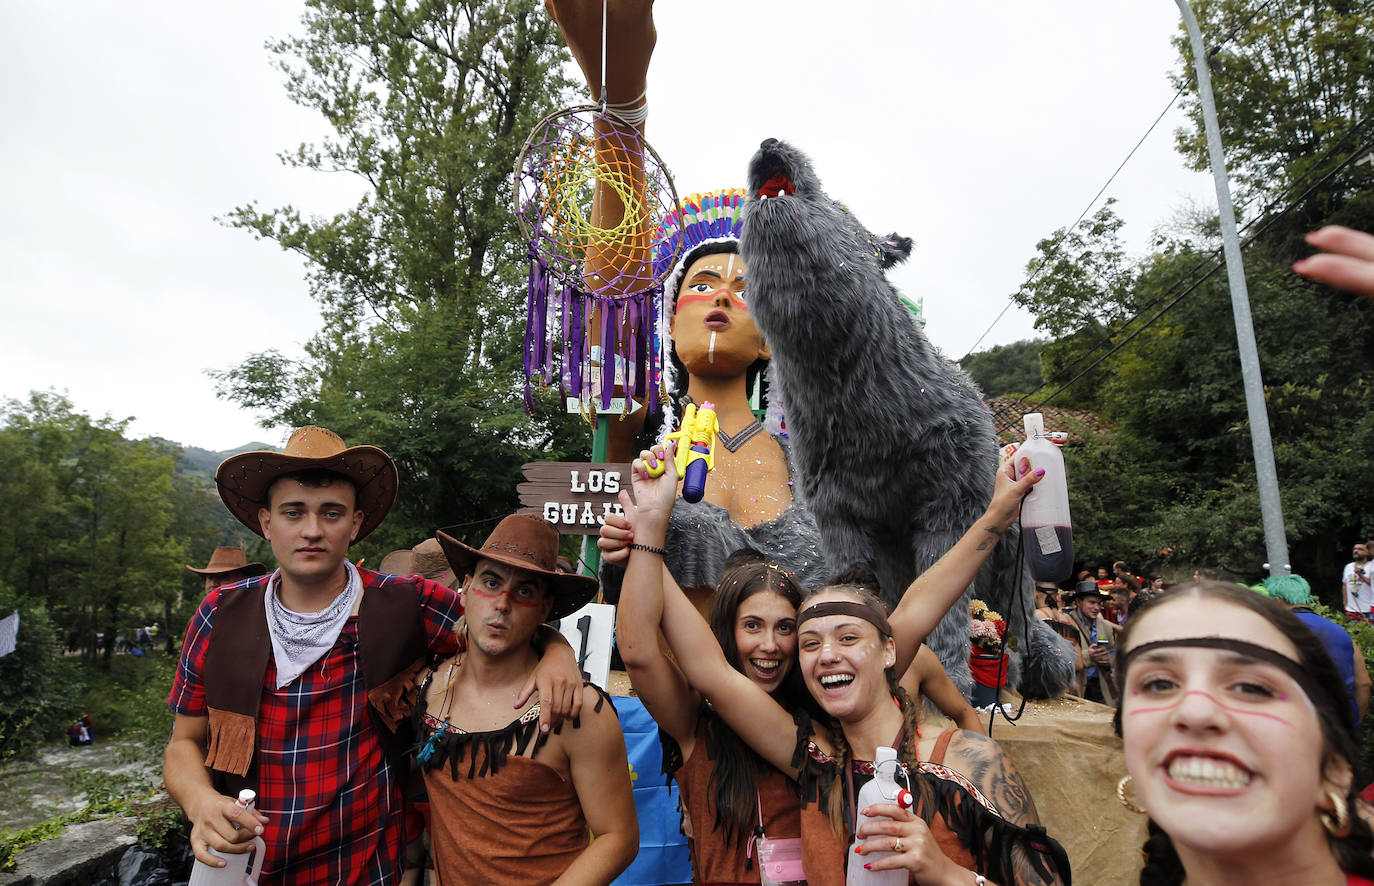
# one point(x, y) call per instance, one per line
point(895, 449)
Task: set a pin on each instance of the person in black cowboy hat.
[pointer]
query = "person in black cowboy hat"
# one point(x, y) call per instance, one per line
point(508, 804)
point(1096, 639)
point(293, 684)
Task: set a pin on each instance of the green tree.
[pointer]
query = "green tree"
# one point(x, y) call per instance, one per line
point(1290, 81)
point(421, 284)
point(97, 544)
point(1006, 369)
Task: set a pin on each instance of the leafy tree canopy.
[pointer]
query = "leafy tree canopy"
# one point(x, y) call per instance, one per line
point(421, 284)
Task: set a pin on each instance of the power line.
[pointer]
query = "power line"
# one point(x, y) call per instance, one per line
point(1081, 216)
point(1217, 264)
point(1066, 231)
point(1264, 214)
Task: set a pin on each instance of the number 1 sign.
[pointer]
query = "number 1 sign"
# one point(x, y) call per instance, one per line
point(589, 631)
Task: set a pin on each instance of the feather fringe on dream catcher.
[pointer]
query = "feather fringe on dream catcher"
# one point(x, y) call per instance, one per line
point(594, 319)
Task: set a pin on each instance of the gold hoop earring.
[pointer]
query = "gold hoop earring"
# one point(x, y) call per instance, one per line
point(1121, 795)
point(1337, 820)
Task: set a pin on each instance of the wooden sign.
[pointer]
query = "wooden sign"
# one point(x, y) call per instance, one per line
point(575, 497)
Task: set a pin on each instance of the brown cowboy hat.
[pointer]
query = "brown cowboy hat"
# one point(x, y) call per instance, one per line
point(528, 543)
point(426, 559)
point(225, 560)
point(244, 479)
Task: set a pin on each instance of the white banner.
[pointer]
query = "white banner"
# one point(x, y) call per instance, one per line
point(9, 633)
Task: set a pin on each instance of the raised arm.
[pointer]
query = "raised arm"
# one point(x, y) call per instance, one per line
point(658, 682)
point(750, 711)
point(929, 597)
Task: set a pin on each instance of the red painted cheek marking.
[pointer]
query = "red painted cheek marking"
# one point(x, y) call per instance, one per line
point(1213, 700)
point(693, 297)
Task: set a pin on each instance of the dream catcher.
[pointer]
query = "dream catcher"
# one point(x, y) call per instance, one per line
point(591, 196)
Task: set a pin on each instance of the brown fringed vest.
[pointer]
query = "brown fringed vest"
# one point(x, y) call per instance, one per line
point(391, 650)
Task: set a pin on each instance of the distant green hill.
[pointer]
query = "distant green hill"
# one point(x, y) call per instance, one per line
point(202, 462)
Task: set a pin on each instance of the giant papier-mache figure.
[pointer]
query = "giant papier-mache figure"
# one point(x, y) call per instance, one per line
point(895, 448)
point(891, 451)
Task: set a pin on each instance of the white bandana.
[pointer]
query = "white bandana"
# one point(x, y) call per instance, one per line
point(299, 639)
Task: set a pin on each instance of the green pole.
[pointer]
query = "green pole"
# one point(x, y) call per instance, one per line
point(591, 554)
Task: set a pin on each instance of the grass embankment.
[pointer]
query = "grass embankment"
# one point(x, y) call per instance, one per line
point(129, 702)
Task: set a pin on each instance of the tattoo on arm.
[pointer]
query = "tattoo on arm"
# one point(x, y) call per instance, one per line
point(984, 763)
point(989, 542)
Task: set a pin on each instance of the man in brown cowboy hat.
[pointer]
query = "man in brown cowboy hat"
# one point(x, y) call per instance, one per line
point(227, 566)
point(293, 684)
point(509, 804)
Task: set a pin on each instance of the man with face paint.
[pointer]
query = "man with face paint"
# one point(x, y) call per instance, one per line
point(509, 803)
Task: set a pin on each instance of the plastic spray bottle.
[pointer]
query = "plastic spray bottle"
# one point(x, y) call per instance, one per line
point(1046, 532)
point(235, 872)
point(882, 789)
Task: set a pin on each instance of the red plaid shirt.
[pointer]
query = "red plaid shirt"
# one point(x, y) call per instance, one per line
point(332, 800)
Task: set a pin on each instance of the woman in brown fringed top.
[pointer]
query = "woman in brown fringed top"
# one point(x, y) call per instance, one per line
point(970, 819)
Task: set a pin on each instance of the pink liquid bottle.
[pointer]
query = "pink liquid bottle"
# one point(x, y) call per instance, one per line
point(1046, 531)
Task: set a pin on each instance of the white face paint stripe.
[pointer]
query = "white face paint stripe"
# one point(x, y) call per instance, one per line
point(730, 269)
point(711, 350)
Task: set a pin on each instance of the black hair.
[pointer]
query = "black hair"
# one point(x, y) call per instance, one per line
point(1339, 738)
point(733, 780)
point(316, 478)
point(754, 375)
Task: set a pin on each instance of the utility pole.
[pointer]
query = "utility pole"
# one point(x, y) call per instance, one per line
point(1271, 509)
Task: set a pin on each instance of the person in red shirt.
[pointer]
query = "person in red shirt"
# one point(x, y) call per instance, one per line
point(293, 684)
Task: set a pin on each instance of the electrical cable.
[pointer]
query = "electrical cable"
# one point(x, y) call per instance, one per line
point(1263, 215)
point(1215, 48)
point(1269, 221)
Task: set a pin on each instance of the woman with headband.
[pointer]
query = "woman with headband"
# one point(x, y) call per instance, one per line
point(1240, 744)
point(971, 819)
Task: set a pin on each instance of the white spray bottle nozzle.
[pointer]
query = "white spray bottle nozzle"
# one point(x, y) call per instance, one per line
point(1035, 425)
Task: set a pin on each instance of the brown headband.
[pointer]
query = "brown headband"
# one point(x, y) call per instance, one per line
point(847, 607)
point(1311, 687)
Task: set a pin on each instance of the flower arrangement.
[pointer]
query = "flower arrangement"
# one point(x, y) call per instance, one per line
point(987, 628)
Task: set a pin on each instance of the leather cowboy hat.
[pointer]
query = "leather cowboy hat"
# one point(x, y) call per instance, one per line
point(425, 559)
point(227, 559)
point(528, 543)
point(244, 479)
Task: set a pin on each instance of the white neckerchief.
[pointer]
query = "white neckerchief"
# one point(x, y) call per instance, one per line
point(299, 639)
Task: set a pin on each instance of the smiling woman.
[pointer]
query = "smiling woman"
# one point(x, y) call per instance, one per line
point(1239, 744)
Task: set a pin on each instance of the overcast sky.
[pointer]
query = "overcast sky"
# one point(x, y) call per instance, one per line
point(977, 128)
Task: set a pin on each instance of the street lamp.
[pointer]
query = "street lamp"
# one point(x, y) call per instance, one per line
point(1271, 509)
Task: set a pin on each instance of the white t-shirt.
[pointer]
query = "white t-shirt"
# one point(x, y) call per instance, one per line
point(1359, 595)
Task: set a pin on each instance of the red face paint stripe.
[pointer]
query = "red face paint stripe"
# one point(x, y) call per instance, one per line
point(1213, 699)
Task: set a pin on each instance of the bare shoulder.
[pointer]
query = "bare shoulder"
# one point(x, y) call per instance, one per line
point(983, 762)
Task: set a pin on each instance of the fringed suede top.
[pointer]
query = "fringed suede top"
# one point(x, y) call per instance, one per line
point(963, 822)
point(721, 855)
point(497, 814)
